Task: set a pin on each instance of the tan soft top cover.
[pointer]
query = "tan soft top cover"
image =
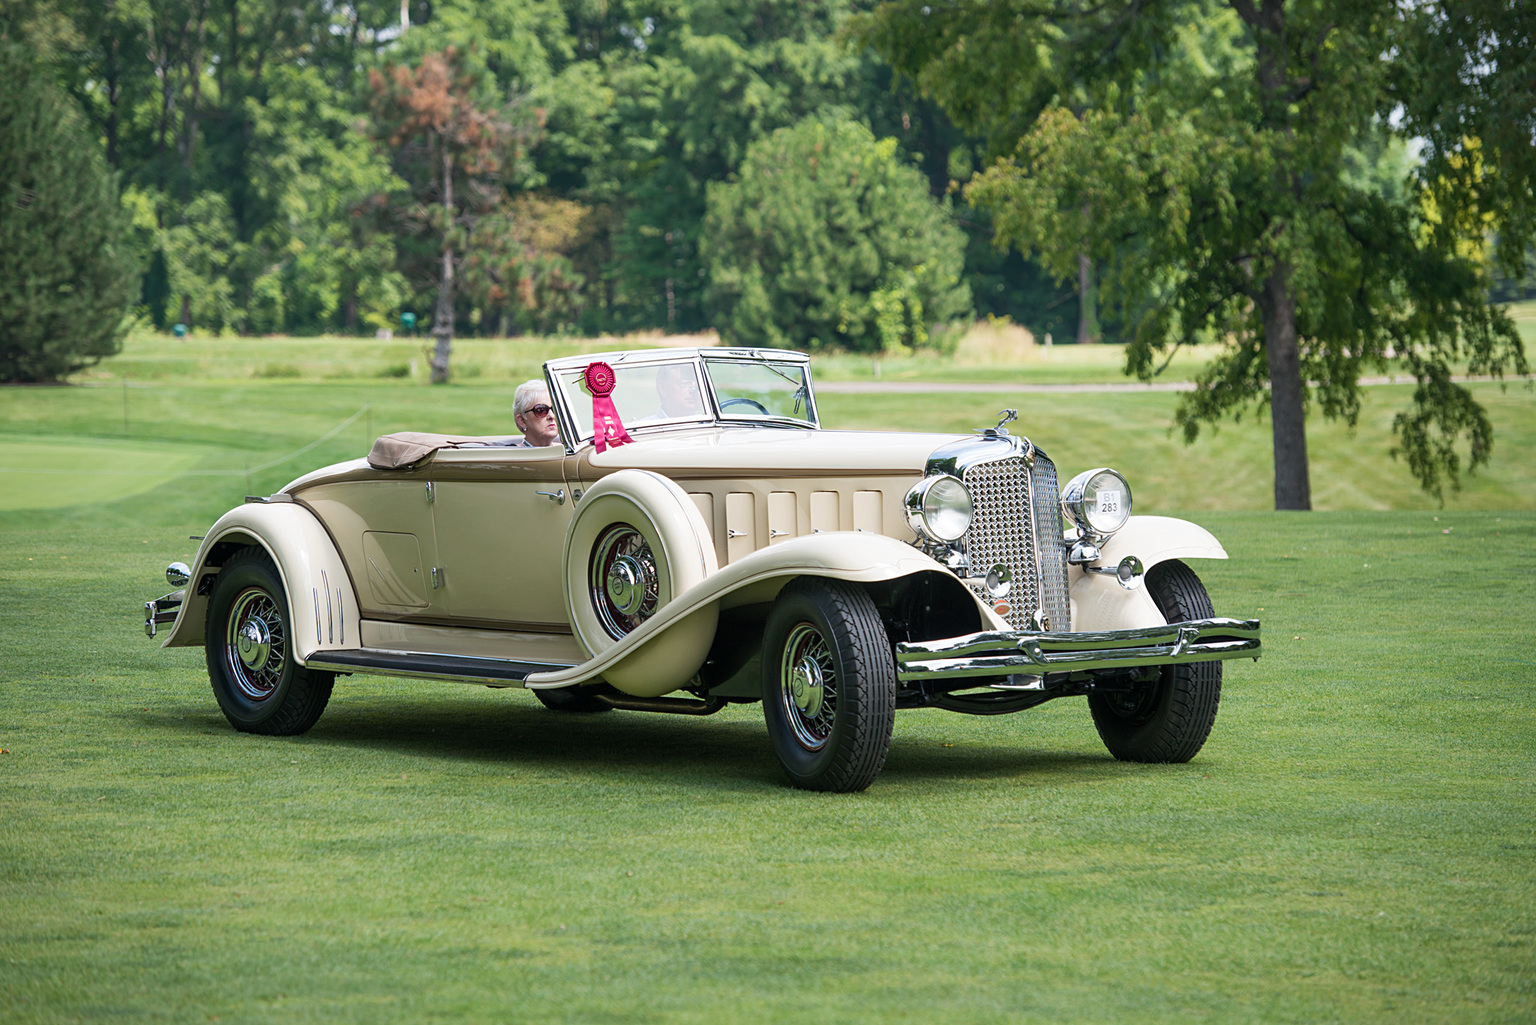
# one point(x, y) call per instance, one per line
point(398, 451)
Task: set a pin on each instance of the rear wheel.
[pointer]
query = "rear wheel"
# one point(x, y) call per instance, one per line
point(829, 685)
point(248, 645)
point(1169, 719)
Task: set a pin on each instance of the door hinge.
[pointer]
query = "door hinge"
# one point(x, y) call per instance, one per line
point(431, 492)
point(437, 577)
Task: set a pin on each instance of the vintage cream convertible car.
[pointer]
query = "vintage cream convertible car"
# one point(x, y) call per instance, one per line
point(721, 548)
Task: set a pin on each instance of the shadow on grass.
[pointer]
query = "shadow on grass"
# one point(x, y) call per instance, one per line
point(731, 747)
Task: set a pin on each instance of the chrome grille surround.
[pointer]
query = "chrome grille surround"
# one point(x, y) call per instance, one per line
point(1016, 523)
point(1049, 528)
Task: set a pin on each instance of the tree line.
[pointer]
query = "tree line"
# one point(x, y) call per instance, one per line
point(283, 163)
point(1321, 187)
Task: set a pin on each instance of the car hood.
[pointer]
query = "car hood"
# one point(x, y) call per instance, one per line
point(768, 451)
point(698, 453)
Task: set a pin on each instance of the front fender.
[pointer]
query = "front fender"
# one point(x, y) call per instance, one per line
point(650, 661)
point(322, 603)
point(1099, 602)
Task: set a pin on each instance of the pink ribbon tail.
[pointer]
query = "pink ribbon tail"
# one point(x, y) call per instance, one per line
point(607, 429)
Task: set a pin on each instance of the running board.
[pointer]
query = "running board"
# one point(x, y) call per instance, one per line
point(493, 672)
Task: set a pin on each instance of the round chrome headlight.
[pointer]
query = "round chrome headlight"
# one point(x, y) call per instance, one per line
point(1098, 502)
point(939, 508)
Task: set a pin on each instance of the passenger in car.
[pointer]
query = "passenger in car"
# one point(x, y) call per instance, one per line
point(534, 416)
point(677, 385)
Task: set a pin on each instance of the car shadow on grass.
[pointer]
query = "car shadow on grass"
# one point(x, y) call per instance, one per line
point(729, 748)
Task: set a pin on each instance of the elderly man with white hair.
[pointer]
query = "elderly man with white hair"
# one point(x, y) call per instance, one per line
point(534, 415)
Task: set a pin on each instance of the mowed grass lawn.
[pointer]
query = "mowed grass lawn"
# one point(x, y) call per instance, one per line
point(1355, 843)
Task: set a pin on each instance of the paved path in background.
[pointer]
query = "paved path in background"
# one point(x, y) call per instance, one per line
point(867, 387)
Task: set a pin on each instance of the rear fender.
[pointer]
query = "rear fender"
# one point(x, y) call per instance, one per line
point(322, 603)
point(1099, 602)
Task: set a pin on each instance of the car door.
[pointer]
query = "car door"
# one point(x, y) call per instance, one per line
point(500, 517)
point(385, 532)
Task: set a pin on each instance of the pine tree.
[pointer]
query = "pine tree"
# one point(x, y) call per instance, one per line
point(66, 268)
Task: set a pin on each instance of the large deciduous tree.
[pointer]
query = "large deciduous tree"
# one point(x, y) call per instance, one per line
point(454, 143)
point(826, 239)
point(66, 270)
point(1206, 154)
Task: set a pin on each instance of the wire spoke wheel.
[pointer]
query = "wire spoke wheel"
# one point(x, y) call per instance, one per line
point(808, 686)
point(828, 685)
point(249, 642)
point(623, 583)
point(255, 644)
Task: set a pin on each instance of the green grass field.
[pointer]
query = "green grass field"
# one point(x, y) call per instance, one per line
point(1355, 843)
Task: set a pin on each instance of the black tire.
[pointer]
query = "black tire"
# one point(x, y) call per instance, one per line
point(1170, 719)
point(259, 686)
point(571, 699)
point(829, 685)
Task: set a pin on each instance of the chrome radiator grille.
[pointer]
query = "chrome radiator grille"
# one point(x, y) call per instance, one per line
point(1017, 522)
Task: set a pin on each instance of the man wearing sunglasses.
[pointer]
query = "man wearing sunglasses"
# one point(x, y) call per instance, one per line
point(534, 415)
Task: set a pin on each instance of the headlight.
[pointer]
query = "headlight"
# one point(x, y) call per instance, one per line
point(939, 508)
point(1098, 502)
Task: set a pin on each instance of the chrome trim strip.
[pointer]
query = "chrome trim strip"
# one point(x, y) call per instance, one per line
point(1001, 653)
point(330, 618)
point(1034, 533)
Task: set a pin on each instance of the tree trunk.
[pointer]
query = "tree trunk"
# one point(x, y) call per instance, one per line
point(167, 110)
point(1086, 329)
point(114, 99)
point(1293, 489)
point(195, 73)
point(442, 320)
point(1277, 300)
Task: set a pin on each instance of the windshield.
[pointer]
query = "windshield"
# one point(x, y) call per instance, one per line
point(644, 394)
point(663, 392)
point(760, 388)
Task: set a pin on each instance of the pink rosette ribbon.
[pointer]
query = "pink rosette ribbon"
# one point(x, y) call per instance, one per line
point(607, 429)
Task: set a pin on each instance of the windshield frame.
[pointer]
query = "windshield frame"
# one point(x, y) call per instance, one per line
point(701, 358)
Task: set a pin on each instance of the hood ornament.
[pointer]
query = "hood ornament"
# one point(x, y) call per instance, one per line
point(1005, 418)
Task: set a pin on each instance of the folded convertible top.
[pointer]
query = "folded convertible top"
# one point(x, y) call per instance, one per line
point(406, 449)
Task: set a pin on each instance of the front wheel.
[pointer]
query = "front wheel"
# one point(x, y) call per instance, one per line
point(1168, 719)
point(258, 685)
point(829, 685)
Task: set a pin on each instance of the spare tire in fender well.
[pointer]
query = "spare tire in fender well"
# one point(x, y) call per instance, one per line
point(648, 536)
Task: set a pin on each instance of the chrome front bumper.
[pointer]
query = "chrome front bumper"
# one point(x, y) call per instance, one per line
point(1027, 653)
point(162, 610)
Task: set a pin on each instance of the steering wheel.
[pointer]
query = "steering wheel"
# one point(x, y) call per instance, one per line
point(753, 404)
